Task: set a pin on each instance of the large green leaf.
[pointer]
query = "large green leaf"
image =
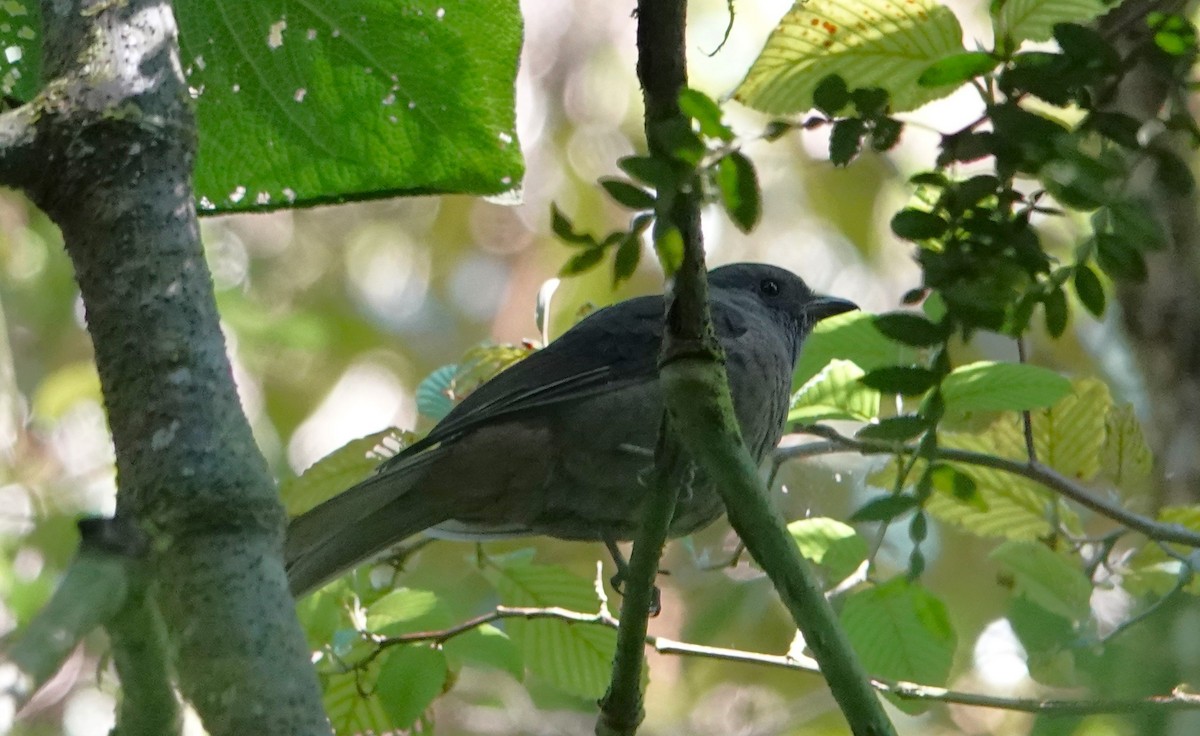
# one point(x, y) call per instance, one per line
point(988, 386)
point(1034, 20)
point(575, 658)
point(1051, 580)
point(869, 43)
point(852, 336)
point(835, 393)
point(835, 546)
point(901, 630)
point(321, 102)
point(410, 677)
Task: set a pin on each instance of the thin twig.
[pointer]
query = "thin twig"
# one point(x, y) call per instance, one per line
point(1036, 472)
point(1175, 700)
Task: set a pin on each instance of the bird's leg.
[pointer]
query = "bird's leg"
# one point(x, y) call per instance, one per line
point(617, 581)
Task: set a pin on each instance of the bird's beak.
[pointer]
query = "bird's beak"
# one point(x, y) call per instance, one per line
point(827, 306)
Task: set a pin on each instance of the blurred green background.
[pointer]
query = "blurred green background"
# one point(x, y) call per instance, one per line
point(334, 315)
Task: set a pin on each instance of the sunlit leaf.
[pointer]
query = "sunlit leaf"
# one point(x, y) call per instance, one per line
point(1034, 20)
point(488, 646)
point(834, 393)
point(869, 43)
point(1126, 459)
point(737, 183)
point(835, 546)
point(989, 386)
point(901, 630)
point(409, 679)
point(340, 469)
point(1051, 580)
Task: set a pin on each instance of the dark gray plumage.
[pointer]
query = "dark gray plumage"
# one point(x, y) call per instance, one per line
point(555, 444)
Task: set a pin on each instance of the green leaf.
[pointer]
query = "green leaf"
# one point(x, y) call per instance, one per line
point(831, 95)
point(894, 429)
point(834, 393)
point(905, 380)
point(911, 328)
point(870, 102)
point(738, 184)
point(488, 646)
point(582, 262)
point(64, 388)
point(885, 508)
point(629, 253)
point(648, 170)
point(305, 104)
point(845, 141)
point(1034, 20)
point(963, 487)
point(869, 43)
point(706, 112)
point(852, 336)
point(627, 195)
point(1056, 312)
point(350, 712)
point(1089, 289)
point(1126, 459)
point(21, 32)
point(900, 630)
point(912, 224)
point(405, 610)
point(575, 658)
point(885, 134)
point(1119, 258)
point(835, 546)
point(565, 230)
point(340, 469)
point(957, 68)
point(410, 677)
point(1048, 579)
point(668, 244)
point(988, 386)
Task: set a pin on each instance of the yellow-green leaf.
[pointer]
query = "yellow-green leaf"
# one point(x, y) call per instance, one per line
point(1126, 458)
point(835, 546)
point(869, 43)
point(1034, 20)
point(340, 469)
point(835, 393)
point(1052, 581)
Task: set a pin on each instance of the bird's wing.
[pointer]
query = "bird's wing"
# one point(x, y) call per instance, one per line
point(609, 348)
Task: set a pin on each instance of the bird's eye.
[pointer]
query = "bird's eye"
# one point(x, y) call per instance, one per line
point(769, 287)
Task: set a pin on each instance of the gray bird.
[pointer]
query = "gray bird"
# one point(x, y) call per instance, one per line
point(557, 443)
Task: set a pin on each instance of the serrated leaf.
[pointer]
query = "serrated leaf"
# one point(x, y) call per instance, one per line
point(351, 713)
point(885, 508)
point(305, 104)
point(737, 183)
point(1126, 459)
point(910, 328)
point(1068, 437)
point(405, 610)
point(1089, 289)
point(957, 68)
point(340, 469)
point(410, 678)
point(869, 43)
point(894, 429)
point(628, 195)
point(835, 546)
point(903, 631)
point(852, 336)
point(575, 658)
point(1034, 20)
point(435, 392)
point(488, 646)
point(1051, 580)
point(834, 393)
point(706, 112)
point(905, 380)
point(989, 386)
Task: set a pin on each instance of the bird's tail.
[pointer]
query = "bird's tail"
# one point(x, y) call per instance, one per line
point(357, 525)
